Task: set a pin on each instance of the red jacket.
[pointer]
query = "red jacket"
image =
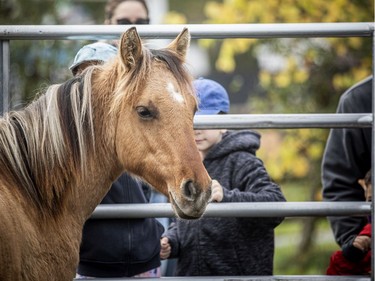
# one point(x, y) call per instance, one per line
point(339, 265)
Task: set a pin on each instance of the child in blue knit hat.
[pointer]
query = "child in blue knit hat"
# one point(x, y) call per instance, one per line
point(226, 246)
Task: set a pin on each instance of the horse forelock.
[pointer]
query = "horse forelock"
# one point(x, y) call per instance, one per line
point(45, 146)
point(176, 66)
point(131, 82)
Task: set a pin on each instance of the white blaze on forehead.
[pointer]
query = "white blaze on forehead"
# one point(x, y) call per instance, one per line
point(176, 95)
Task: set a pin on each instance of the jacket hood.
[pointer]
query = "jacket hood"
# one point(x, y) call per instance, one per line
point(235, 141)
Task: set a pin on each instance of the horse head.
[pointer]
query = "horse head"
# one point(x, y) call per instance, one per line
point(158, 124)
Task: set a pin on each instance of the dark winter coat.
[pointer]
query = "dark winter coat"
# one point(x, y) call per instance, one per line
point(230, 246)
point(346, 159)
point(120, 247)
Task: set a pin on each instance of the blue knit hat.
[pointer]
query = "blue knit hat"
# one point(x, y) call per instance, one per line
point(98, 51)
point(212, 97)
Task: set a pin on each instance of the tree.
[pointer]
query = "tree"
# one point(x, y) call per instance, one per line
point(37, 63)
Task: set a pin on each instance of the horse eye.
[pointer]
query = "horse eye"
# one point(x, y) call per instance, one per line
point(144, 113)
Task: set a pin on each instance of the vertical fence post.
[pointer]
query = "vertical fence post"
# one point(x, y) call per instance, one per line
point(4, 76)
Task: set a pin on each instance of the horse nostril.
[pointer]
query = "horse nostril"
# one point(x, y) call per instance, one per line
point(189, 189)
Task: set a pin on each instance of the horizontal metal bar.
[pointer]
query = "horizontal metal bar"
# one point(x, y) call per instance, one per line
point(253, 209)
point(267, 121)
point(247, 278)
point(218, 31)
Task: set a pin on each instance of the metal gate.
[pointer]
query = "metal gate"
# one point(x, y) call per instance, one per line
point(231, 121)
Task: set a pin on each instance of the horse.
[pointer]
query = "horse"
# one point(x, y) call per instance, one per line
point(60, 154)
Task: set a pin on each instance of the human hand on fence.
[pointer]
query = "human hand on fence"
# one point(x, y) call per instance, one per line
point(217, 192)
point(165, 248)
point(362, 242)
point(357, 248)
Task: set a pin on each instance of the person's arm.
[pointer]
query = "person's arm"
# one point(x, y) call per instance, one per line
point(357, 248)
point(172, 235)
point(346, 159)
point(253, 184)
point(340, 173)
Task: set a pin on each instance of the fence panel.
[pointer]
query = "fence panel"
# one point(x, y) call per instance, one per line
point(220, 31)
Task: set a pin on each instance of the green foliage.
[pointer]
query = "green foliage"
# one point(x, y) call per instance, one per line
point(288, 75)
point(37, 63)
point(310, 76)
point(289, 260)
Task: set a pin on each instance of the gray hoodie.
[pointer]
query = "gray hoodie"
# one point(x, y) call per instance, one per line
point(230, 246)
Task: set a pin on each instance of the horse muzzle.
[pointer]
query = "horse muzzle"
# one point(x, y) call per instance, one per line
point(191, 201)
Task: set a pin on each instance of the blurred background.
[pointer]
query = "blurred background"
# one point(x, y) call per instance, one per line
point(297, 75)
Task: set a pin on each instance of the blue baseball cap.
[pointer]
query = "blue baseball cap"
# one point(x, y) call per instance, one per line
point(98, 51)
point(212, 97)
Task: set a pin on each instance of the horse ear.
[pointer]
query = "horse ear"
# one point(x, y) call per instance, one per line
point(130, 48)
point(181, 43)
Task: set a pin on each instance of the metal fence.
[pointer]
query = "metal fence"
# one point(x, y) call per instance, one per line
point(232, 121)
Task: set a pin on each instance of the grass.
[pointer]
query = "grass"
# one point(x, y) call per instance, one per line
point(288, 259)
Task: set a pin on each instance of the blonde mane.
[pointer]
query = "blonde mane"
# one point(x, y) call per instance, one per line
point(43, 145)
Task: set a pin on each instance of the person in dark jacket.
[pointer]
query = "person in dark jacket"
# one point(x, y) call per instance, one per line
point(355, 257)
point(121, 247)
point(117, 247)
point(346, 159)
point(226, 246)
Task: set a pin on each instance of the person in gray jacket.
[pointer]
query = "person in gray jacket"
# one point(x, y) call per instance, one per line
point(226, 246)
point(346, 159)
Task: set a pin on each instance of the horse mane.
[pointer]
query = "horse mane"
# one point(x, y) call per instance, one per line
point(45, 145)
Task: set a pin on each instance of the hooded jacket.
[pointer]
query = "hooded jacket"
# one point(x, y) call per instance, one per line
point(230, 246)
point(120, 247)
point(346, 159)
